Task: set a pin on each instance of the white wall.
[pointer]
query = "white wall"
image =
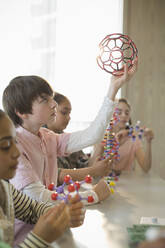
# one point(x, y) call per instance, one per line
point(81, 25)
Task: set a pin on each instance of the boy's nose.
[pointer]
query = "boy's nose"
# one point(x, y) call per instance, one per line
point(54, 104)
point(68, 117)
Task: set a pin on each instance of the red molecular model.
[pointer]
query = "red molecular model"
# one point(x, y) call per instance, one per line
point(60, 194)
point(116, 50)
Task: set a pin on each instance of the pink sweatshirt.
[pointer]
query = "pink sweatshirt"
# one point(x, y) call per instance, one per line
point(38, 160)
point(127, 153)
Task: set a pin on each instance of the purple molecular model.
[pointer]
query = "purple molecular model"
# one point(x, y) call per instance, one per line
point(135, 131)
point(116, 50)
point(59, 193)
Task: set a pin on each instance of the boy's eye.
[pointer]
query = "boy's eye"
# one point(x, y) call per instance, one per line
point(64, 113)
point(44, 100)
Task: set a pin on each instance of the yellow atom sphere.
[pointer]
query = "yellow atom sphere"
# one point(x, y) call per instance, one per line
point(112, 183)
point(112, 191)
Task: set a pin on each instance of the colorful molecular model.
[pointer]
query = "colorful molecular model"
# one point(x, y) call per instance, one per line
point(135, 131)
point(111, 146)
point(60, 194)
point(110, 181)
point(116, 50)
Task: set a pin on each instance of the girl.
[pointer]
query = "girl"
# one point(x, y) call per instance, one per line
point(54, 220)
point(75, 159)
point(129, 150)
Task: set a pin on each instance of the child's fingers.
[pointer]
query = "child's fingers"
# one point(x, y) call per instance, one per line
point(77, 214)
point(77, 205)
point(76, 224)
point(109, 158)
point(77, 218)
point(74, 199)
point(134, 67)
point(63, 220)
point(120, 135)
point(97, 159)
point(56, 212)
point(135, 62)
point(126, 71)
point(65, 216)
point(78, 211)
point(53, 209)
point(49, 211)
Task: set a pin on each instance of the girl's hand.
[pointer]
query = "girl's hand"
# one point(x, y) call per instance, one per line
point(102, 190)
point(77, 211)
point(101, 167)
point(121, 136)
point(148, 134)
point(53, 223)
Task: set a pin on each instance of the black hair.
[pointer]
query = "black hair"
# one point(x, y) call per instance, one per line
point(20, 94)
point(59, 98)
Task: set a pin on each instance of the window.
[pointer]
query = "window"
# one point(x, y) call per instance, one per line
point(58, 40)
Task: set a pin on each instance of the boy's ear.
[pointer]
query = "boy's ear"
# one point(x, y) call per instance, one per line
point(22, 116)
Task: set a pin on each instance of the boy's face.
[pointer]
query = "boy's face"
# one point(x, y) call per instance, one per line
point(43, 110)
point(9, 153)
point(62, 118)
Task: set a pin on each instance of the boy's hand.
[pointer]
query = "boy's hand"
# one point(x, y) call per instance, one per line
point(101, 167)
point(118, 81)
point(148, 134)
point(77, 211)
point(102, 190)
point(53, 223)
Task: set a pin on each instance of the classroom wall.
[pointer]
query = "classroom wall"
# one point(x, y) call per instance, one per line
point(144, 22)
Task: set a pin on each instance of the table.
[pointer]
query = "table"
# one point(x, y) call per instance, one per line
point(136, 195)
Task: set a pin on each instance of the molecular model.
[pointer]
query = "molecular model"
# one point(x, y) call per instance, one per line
point(110, 180)
point(111, 145)
point(135, 131)
point(116, 50)
point(72, 187)
point(60, 194)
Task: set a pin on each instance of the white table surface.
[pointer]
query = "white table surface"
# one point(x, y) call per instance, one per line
point(136, 195)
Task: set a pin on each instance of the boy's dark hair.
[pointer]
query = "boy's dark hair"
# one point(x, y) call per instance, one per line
point(20, 94)
point(59, 98)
